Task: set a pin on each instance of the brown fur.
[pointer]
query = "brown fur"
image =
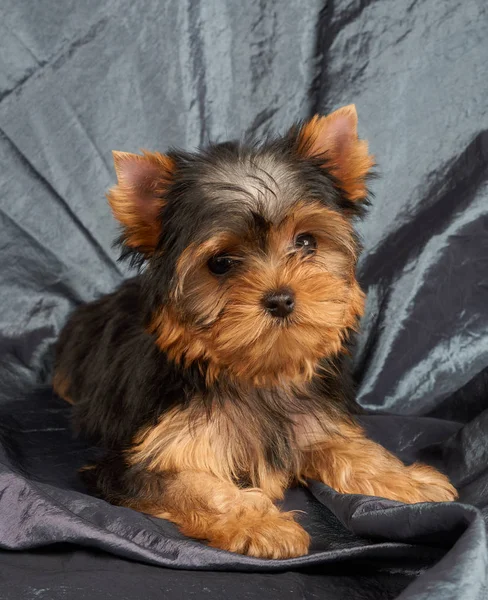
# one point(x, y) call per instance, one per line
point(239, 520)
point(137, 199)
point(61, 386)
point(184, 440)
point(203, 460)
point(335, 138)
point(336, 453)
point(231, 331)
point(352, 464)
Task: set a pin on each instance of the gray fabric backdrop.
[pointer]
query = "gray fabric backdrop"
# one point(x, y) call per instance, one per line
point(78, 79)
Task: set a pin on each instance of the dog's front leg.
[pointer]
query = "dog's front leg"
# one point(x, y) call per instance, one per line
point(239, 520)
point(349, 462)
point(204, 507)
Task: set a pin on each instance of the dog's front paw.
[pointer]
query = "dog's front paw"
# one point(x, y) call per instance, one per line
point(428, 485)
point(268, 535)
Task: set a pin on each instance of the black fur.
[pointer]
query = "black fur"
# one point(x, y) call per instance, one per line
point(120, 381)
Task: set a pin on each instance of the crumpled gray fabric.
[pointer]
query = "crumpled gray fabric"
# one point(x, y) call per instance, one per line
point(78, 79)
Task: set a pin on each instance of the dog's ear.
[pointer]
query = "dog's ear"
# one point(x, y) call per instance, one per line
point(138, 197)
point(335, 139)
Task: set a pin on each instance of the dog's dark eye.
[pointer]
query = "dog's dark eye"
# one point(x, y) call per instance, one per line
point(220, 265)
point(306, 242)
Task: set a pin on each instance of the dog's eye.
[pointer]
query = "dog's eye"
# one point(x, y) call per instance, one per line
point(220, 265)
point(306, 242)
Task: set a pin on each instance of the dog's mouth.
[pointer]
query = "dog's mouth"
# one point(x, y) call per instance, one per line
point(281, 322)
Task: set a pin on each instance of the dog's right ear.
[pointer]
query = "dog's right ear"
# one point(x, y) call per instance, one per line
point(138, 197)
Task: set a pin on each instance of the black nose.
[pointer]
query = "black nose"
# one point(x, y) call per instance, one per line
point(279, 303)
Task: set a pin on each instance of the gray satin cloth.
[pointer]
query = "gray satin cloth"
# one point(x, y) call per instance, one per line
point(78, 79)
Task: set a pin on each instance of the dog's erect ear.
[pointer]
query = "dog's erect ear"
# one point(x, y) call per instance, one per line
point(335, 138)
point(138, 197)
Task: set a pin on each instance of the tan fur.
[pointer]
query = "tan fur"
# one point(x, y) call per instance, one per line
point(335, 138)
point(184, 440)
point(61, 386)
point(231, 331)
point(243, 521)
point(203, 459)
point(198, 255)
point(337, 453)
point(138, 198)
point(352, 464)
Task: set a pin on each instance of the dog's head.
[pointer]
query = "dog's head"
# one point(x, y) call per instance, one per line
point(250, 250)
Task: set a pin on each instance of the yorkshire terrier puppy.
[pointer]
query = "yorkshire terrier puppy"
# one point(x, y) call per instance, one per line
point(219, 376)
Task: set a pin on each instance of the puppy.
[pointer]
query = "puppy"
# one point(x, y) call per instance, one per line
point(220, 376)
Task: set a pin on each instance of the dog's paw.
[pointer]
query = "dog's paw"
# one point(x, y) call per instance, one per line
point(263, 535)
point(428, 485)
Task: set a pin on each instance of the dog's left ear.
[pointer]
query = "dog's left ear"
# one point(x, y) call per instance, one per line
point(139, 196)
point(335, 139)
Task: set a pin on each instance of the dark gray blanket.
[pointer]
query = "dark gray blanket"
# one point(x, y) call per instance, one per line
point(80, 78)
